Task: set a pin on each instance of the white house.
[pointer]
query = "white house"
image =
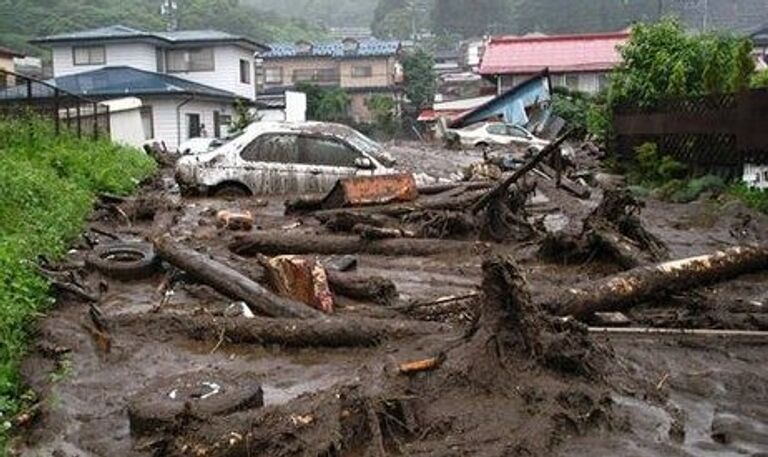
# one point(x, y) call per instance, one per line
point(188, 81)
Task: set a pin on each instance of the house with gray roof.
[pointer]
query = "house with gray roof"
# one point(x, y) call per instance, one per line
point(188, 81)
point(362, 68)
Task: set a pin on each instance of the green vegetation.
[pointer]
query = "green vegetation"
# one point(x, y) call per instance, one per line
point(47, 186)
point(23, 20)
point(754, 198)
point(384, 111)
point(759, 80)
point(700, 65)
point(329, 104)
point(418, 68)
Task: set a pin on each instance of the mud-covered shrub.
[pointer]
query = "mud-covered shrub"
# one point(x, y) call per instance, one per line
point(47, 186)
point(756, 199)
point(653, 169)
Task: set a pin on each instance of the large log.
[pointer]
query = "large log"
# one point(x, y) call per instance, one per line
point(458, 200)
point(621, 291)
point(230, 282)
point(367, 288)
point(324, 332)
point(281, 243)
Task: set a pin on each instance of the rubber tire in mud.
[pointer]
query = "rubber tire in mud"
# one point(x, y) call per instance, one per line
point(155, 411)
point(231, 190)
point(143, 264)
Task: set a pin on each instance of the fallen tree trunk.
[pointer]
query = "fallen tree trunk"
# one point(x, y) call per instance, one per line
point(281, 243)
point(450, 202)
point(502, 187)
point(644, 283)
point(367, 288)
point(230, 282)
point(324, 332)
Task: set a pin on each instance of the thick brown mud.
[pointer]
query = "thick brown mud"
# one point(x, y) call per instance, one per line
point(571, 393)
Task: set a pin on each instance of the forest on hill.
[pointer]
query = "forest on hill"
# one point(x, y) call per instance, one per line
point(22, 20)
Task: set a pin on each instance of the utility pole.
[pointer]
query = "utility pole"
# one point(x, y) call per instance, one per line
point(705, 20)
point(169, 10)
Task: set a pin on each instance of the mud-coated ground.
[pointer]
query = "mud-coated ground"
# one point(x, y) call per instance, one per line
point(652, 395)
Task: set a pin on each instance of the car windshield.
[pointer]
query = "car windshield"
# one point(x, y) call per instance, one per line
point(368, 146)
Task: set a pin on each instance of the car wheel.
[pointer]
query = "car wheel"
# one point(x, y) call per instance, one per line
point(231, 190)
point(126, 261)
point(482, 146)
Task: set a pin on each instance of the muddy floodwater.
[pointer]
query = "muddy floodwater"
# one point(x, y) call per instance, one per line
point(649, 395)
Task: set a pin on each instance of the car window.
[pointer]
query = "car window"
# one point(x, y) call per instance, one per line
point(316, 150)
point(281, 148)
point(517, 131)
point(497, 129)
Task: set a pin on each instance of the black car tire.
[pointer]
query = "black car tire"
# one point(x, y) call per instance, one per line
point(126, 261)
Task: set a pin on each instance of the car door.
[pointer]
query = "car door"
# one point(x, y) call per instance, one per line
point(497, 134)
point(518, 135)
point(328, 159)
point(270, 164)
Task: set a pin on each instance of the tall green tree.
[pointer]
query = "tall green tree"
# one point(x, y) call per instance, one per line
point(420, 78)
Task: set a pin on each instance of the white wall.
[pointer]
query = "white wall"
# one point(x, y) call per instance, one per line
point(756, 176)
point(125, 126)
point(137, 55)
point(295, 106)
point(164, 117)
point(226, 74)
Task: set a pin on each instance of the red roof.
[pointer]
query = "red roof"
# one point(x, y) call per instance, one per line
point(559, 53)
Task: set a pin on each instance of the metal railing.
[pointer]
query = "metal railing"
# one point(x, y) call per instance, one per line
point(21, 95)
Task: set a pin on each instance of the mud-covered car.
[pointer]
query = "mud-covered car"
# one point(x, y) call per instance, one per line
point(281, 158)
point(489, 134)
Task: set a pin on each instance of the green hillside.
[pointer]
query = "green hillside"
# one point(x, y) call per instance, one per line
point(22, 20)
point(333, 13)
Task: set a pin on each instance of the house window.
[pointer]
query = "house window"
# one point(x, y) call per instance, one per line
point(245, 71)
point(3, 80)
point(184, 60)
point(147, 122)
point(194, 128)
point(221, 124)
point(160, 56)
point(572, 82)
point(89, 55)
point(363, 71)
point(322, 75)
point(602, 81)
point(273, 75)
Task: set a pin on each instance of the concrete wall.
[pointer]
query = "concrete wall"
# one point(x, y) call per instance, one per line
point(137, 55)
point(166, 123)
point(125, 126)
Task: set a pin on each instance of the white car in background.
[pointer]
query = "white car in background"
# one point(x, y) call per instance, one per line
point(283, 157)
point(488, 134)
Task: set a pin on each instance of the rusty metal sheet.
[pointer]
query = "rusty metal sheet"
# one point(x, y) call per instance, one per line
point(301, 279)
point(372, 190)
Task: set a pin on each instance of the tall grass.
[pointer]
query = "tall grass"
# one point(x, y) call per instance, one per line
point(47, 186)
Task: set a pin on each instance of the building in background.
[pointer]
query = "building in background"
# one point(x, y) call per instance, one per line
point(760, 40)
point(578, 62)
point(7, 57)
point(362, 68)
point(188, 81)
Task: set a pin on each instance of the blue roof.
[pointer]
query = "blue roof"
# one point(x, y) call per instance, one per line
point(365, 48)
point(120, 82)
point(122, 32)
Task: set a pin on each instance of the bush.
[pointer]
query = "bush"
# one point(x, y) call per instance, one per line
point(756, 199)
point(652, 169)
point(47, 187)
